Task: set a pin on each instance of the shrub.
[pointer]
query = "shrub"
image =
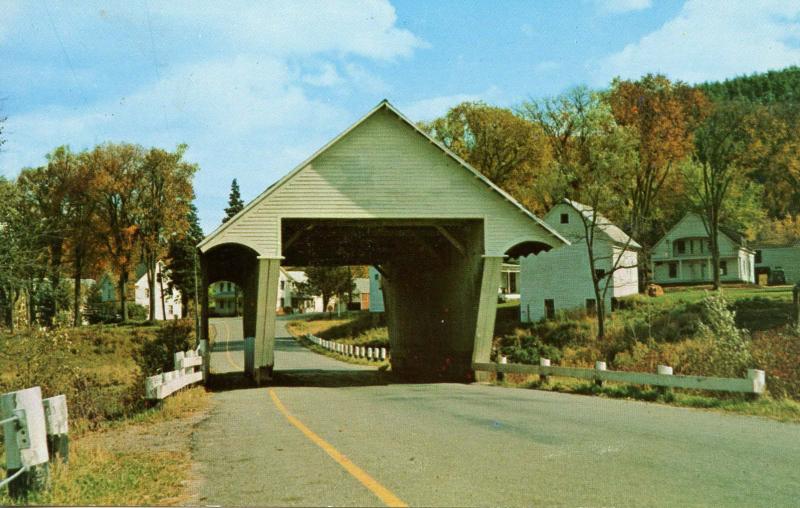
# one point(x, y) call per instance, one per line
point(777, 352)
point(158, 354)
point(730, 354)
point(44, 358)
point(138, 312)
point(521, 347)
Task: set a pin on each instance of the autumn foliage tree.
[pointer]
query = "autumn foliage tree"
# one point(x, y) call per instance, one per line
point(509, 150)
point(164, 199)
point(663, 115)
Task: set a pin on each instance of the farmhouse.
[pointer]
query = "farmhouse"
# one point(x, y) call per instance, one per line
point(561, 279)
point(683, 255)
point(383, 193)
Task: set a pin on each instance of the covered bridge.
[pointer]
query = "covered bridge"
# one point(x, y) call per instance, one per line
point(383, 193)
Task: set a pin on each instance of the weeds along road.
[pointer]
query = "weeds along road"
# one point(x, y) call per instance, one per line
point(330, 433)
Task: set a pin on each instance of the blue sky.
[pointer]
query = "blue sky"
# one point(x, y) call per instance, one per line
point(255, 87)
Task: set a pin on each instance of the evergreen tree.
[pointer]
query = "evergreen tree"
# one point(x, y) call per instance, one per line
point(181, 259)
point(235, 203)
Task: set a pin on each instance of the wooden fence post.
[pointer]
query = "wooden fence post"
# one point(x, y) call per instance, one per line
point(55, 415)
point(544, 362)
point(598, 365)
point(25, 438)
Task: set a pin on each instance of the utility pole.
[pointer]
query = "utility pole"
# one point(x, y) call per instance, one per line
point(796, 299)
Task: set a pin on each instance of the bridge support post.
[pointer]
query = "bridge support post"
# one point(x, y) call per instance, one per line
point(487, 310)
point(266, 300)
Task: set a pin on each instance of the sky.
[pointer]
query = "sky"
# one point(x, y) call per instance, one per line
point(254, 88)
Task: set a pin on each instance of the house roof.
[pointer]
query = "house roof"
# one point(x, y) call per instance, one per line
point(384, 104)
point(616, 234)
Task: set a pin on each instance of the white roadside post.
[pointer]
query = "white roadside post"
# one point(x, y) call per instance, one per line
point(664, 370)
point(369, 353)
point(544, 362)
point(383, 354)
point(25, 437)
point(759, 379)
point(55, 415)
point(599, 366)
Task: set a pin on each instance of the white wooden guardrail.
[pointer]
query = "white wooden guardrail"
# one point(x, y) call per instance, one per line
point(34, 433)
point(375, 354)
point(162, 385)
point(755, 382)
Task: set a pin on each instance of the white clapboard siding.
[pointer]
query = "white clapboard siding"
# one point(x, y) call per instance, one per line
point(382, 168)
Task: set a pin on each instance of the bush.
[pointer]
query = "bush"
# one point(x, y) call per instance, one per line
point(44, 358)
point(158, 354)
point(730, 346)
point(777, 352)
point(137, 312)
point(521, 347)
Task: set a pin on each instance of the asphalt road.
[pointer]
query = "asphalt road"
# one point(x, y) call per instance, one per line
point(353, 438)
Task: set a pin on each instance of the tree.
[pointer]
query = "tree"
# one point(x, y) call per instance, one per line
point(663, 115)
point(596, 159)
point(719, 189)
point(165, 197)
point(327, 281)
point(181, 258)
point(20, 259)
point(508, 149)
point(45, 191)
point(235, 203)
point(119, 177)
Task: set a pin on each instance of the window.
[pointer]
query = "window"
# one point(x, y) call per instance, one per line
point(599, 273)
point(723, 268)
point(702, 246)
point(377, 276)
point(283, 284)
point(564, 218)
point(147, 292)
point(691, 246)
point(512, 282)
point(591, 306)
point(680, 246)
point(549, 309)
point(673, 270)
point(758, 256)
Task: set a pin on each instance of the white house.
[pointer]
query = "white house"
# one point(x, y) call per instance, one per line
point(777, 264)
point(560, 279)
point(290, 296)
point(683, 255)
point(228, 298)
point(172, 299)
point(375, 290)
point(509, 282)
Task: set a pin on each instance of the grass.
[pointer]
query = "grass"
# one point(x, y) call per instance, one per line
point(691, 294)
point(127, 462)
point(785, 410)
point(383, 365)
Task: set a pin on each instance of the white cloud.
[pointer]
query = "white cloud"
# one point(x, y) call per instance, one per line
point(428, 109)
point(710, 41)
point(622, 6)
point(360, 27)
point(237, 82)
point(327, 76)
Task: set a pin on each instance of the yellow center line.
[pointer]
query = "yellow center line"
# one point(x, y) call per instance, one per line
point(369, 482)
point(227, 352)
